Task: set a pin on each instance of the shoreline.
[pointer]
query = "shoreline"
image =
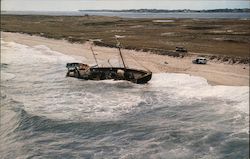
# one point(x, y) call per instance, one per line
point(216, 73)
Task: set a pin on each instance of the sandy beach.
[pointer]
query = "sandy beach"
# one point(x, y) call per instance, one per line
point(217, 73)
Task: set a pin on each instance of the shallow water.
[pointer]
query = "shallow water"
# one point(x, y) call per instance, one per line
point(46, 115)
point(222, 15)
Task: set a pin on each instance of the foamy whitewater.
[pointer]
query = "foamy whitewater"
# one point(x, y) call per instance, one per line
point(174, 116)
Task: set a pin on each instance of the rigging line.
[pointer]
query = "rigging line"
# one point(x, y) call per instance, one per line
point(94, 55)
point(119, 61)
point(109, 63)
point(137, 61)
point(119, 48)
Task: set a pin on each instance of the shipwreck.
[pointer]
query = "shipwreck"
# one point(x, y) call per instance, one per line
point(86, 72)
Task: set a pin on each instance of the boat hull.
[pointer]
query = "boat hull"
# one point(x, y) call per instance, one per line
point(83, 71)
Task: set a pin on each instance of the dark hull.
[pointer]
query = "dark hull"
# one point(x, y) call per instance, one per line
point(83, 71)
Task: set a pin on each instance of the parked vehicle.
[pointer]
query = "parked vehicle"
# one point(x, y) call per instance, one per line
point(180, 49)
point(200, 60)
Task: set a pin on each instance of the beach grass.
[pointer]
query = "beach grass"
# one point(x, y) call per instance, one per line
point(230, 37)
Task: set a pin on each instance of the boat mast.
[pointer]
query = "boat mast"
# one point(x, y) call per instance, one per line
point(94, 55)
point(119, 48)
point(122, 57)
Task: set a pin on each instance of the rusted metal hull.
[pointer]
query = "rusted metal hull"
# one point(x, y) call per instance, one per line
point(83, 71)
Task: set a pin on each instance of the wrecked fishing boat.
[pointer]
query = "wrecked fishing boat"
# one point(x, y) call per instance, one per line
point(86, 72)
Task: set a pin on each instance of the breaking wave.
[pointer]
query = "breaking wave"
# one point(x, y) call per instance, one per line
point(44, 114)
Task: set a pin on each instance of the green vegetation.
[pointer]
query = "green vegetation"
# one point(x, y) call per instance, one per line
point(225, 37)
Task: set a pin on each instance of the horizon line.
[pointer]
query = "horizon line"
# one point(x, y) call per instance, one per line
point(115, 10)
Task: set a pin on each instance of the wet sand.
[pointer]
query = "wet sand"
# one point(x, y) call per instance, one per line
point(217, 73)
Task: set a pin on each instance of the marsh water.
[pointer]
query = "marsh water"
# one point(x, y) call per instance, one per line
point(174, 116)
point(228, 15)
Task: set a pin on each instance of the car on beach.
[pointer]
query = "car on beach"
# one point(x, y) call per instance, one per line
point(180, 49)
point(200, 60)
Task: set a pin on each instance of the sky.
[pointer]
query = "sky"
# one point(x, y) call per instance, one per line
point(74, 5)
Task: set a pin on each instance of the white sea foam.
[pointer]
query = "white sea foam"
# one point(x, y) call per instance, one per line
point(187, 86)
point(121, 97)
point(22, 54)
point(7, 76)
point(35, 62)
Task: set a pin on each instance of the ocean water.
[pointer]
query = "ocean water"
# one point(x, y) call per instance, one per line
point(174, 116)
point(139, 15)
